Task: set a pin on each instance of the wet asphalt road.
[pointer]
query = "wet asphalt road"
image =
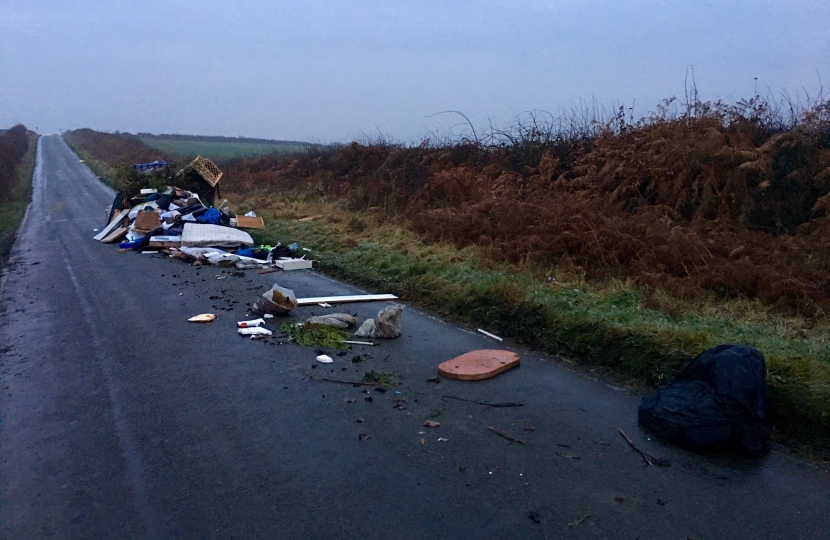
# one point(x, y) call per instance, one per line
point(122, 420)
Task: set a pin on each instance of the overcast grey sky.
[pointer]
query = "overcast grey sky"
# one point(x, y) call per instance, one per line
point(335, 70)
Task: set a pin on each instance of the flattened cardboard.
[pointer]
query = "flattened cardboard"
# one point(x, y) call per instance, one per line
point(147, 221)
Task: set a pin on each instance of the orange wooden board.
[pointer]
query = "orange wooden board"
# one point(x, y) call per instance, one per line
point(478, 365)
point(245, 222)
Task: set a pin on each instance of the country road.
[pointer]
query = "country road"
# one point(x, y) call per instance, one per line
point(119, 419)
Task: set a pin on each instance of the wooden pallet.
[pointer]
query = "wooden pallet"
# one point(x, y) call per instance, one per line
point(207, 170)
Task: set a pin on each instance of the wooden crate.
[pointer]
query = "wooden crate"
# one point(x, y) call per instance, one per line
point(207, 170)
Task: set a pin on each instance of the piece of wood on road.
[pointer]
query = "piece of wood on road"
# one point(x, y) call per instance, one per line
point(115, 223)
point(117, 234)
point(478, 365)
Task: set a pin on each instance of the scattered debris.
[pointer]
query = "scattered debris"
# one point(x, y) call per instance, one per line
point(432, 424)
point(353, 383)
point(479, 365)
point(436, 380)
point(505, 435)
point(579, 521)
point(486, 403)
point(379, 378)
point(202, 318)
point(488, 334)
point(442, 439)
point(534, 517)
point(367, 343)
point(325, 359)
point(387, 325)
point(364, 437)
point(650, 460)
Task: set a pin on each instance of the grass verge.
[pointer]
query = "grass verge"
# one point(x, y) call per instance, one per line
point(640, 335)
point(13, 209)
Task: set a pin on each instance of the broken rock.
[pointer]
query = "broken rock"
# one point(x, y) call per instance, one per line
point(387, 325)
point(336, 320)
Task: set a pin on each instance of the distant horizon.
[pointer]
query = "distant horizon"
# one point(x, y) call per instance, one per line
point(799, 99)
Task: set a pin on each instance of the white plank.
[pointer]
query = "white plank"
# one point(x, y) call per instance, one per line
point(345, 299)
point(293, 264)
point(112, 226)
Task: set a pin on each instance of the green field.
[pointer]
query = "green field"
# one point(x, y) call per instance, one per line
point(219, 148)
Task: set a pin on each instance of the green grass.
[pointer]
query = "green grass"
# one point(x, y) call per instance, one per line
point(607, 325)
point(13, 209)
point(220, 150)
point(315, 335)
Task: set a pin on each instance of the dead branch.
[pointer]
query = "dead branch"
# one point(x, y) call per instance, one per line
point(487, 403)
point(505, 435)
point(649, 459)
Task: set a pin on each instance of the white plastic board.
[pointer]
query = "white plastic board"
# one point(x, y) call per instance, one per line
point(293, 264)
point(115, 223)
point(345, 299)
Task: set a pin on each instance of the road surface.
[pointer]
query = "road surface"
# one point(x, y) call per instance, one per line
point(122, 420)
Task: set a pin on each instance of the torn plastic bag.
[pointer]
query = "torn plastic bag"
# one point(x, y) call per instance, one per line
point(279, 252)
point(211, 216)
point(387, 324)
point(336, 320)
point(276, 301)
point(717, 403)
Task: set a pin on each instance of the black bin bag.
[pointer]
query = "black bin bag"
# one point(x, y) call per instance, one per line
point(717, 403)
